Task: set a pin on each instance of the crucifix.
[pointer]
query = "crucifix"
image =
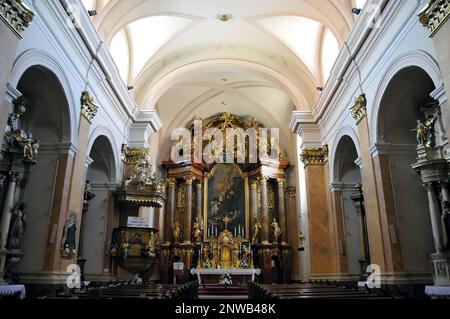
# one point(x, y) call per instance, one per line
point(226, 220)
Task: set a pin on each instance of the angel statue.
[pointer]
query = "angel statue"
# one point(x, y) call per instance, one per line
point(256, 231)
point(276, 230)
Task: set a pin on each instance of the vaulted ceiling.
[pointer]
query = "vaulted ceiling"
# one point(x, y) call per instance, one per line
point(264, 59)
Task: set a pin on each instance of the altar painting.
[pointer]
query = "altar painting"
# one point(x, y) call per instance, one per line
point(226, 201)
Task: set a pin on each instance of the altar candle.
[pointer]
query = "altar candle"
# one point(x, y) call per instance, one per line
point(234, 231)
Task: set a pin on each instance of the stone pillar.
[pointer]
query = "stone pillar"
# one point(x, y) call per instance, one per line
point(6, 213)
point(435, 217)
point(339, 236)
point(379, 242)
point(15, 17)
point(264, 211)
point(282, 210)
point(435, 16)
point(170, 212)
point(187, 231)
point(320, 235)
point(73, 181)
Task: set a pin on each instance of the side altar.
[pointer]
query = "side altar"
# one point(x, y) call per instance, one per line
point(228, 216)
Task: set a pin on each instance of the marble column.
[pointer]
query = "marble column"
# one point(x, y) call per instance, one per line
point(198, 189)
point(445, 193)
point(15, 17)
point(170, 213)
point(364, 256)
point(323, 261)
point(253, 205)
point(264, 211)
point(282, 210)
point(435, 217)
point(378, 230)
point(187, 229)
point(6, 213)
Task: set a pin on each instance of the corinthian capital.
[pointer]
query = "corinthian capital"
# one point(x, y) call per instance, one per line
point(434, 15)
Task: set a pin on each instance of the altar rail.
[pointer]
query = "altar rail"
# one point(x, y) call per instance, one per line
point(315, 290)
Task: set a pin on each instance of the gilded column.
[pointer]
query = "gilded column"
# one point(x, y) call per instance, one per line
point(264, 211)
point(170, 213)
point(188, 211)
point(6, 214)
point(282, 210)
point(435, 217)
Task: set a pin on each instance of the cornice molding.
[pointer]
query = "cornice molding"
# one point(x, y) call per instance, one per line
point(16, 14)
point(435, 15)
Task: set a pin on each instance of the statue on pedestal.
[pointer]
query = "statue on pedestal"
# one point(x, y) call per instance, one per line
point(276, 230)
point(68, 243)
point(256, 231)
point(197, 231)
point(421, 132)
point(176, 231)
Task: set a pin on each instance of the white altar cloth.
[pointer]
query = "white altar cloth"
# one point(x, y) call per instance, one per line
point(11, 289)
point(438, 292)
point(231, 272)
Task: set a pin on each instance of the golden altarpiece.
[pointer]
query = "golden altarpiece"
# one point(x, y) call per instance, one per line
point(227, 215)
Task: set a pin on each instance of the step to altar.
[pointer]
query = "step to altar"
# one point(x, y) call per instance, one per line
point(223, 292)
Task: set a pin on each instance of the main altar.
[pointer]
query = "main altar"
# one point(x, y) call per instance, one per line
point(226, 218)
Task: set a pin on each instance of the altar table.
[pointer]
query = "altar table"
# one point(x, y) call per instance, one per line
point(231, 272)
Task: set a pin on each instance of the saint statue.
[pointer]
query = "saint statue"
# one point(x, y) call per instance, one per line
point(256, 231)
point(421, 131)
point(68, 244)
point(197, 231)
point(276, 230)
point(176, 231)
point(17, 227)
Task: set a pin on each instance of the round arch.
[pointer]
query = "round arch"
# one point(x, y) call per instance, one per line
point(345, 131)
point(417, 58)
point(33, 57)
point(100, 131)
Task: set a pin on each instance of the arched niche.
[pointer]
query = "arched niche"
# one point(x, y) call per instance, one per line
point(347, 175)
point(47, 118)
point(98, 218)
point(408, 90)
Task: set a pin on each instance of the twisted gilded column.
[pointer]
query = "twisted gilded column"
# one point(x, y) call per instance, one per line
point(187, 229)
point(170, 214)
point(435, 216)
point(264, 211)
point(282, 210)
